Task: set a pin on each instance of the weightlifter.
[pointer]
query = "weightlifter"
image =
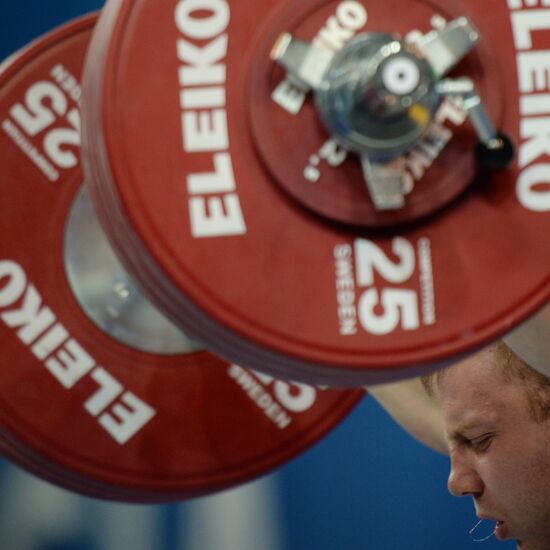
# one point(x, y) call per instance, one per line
point(491, 415)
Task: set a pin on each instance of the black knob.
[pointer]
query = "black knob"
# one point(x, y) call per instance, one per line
point(497, 155)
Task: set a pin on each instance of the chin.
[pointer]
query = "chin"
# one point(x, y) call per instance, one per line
point(533, 545)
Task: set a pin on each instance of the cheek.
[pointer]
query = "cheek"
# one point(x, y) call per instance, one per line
point(507, 470)
point(518, 481)
point(501, 475)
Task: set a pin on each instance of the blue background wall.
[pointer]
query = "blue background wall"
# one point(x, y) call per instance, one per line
point(367, 486)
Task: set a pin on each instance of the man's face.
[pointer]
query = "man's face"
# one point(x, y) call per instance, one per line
point(499, 454)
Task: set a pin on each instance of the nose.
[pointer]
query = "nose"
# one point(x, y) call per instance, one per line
point(463, 478)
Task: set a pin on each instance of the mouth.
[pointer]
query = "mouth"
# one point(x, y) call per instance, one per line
point(501, 528)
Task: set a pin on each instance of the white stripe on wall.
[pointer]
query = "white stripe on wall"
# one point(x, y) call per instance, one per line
point(126, 526)
point(245, 518)
point(32, 511)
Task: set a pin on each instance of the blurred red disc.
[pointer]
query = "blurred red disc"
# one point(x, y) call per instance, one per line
point(76, 406)
point(183, 185)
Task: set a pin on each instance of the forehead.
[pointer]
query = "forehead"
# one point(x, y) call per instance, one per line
point(475, 390)
point(469, 375)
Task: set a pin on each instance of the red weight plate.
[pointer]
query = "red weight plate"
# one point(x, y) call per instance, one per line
point(77, 407)
point(202, 223)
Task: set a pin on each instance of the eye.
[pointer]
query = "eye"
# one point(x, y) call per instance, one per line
point(482, 443)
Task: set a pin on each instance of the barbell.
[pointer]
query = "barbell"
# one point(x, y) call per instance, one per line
point(322, 194)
